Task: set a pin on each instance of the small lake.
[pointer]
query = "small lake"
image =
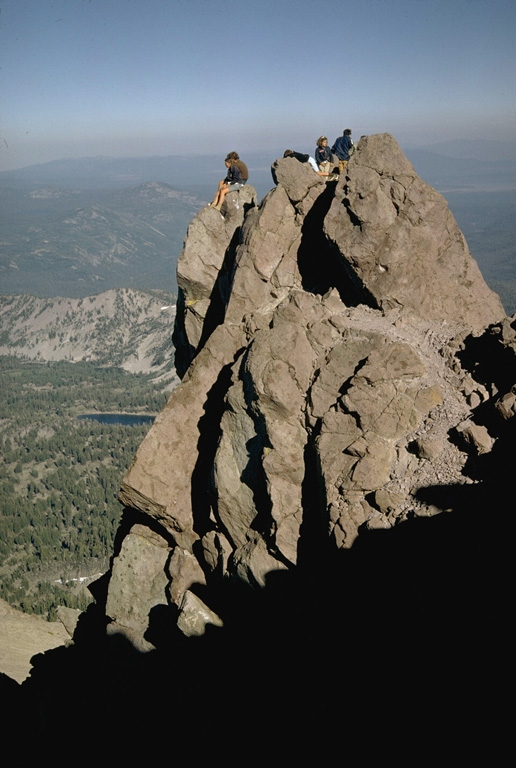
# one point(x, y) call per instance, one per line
point(127, 419)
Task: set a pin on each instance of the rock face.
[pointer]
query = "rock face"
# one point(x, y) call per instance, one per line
point(326, 344)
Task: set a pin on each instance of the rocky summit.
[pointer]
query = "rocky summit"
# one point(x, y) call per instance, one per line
point(319, 502)
point(318, 337)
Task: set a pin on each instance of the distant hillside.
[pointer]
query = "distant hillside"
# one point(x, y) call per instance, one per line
point(124, 328)
point(456, 159)
point(475, 149)
point(60, 241)
point(198, 173)
point(79, 226)
point(488, 221)
point(445, 172)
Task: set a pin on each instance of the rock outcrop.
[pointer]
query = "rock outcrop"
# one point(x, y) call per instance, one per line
point(314, 550)
point(325, 340)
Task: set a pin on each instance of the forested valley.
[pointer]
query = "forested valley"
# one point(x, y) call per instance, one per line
point(60, 475)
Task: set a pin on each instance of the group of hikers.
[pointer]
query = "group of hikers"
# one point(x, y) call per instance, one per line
point(341, 149)
point(327, 162)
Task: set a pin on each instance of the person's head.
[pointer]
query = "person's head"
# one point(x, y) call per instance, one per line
point(322, 141)
point(233, 156)
point(288, 152)
point(347, 132)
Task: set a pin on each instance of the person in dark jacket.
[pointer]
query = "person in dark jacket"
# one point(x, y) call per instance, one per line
point(323, 155)
point(304, 159)
point(341, 148)
point(234, 179)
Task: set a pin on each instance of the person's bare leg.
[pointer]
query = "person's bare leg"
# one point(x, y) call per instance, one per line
point(222, 194)
point(217, 193)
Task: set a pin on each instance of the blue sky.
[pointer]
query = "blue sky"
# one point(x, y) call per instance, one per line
point(153, 77)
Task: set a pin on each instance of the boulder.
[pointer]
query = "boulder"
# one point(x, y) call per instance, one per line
point(138, 584)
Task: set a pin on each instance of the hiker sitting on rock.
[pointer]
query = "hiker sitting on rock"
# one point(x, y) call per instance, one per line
point(243, 167)
point(323, 155)
point(234, 179)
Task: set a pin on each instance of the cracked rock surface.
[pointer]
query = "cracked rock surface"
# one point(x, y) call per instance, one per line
point(329, 342)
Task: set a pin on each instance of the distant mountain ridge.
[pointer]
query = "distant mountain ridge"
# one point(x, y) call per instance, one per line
point(474, 149)
point(125, 328)
point(201, 172)
point(446, 171)
point(58, 241)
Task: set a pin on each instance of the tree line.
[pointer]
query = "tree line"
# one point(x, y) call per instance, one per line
point(59, 476)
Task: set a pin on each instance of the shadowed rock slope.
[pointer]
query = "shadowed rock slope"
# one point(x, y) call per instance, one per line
point(314, 522)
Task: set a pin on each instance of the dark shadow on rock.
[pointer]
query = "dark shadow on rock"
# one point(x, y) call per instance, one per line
point(219, 297)
point(404, 636)
point(491, 358)
point(162, 631)
point(494, 467)
point(183, 351)
point(316, 260)
point(313, 545)
point(220, 294)
point(321, 265)
point(209, 435)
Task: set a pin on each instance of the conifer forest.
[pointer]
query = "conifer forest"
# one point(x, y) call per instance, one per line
point(60, 475)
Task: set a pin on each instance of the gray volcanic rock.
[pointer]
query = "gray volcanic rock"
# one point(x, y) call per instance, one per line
point(324, 342)
point(200, 271)
point(399, 241)
point(138, 584)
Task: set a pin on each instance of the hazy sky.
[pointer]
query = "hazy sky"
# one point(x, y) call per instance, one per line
point(153, 77)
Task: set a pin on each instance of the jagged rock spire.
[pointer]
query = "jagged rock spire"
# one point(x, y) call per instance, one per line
point(320, 381)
